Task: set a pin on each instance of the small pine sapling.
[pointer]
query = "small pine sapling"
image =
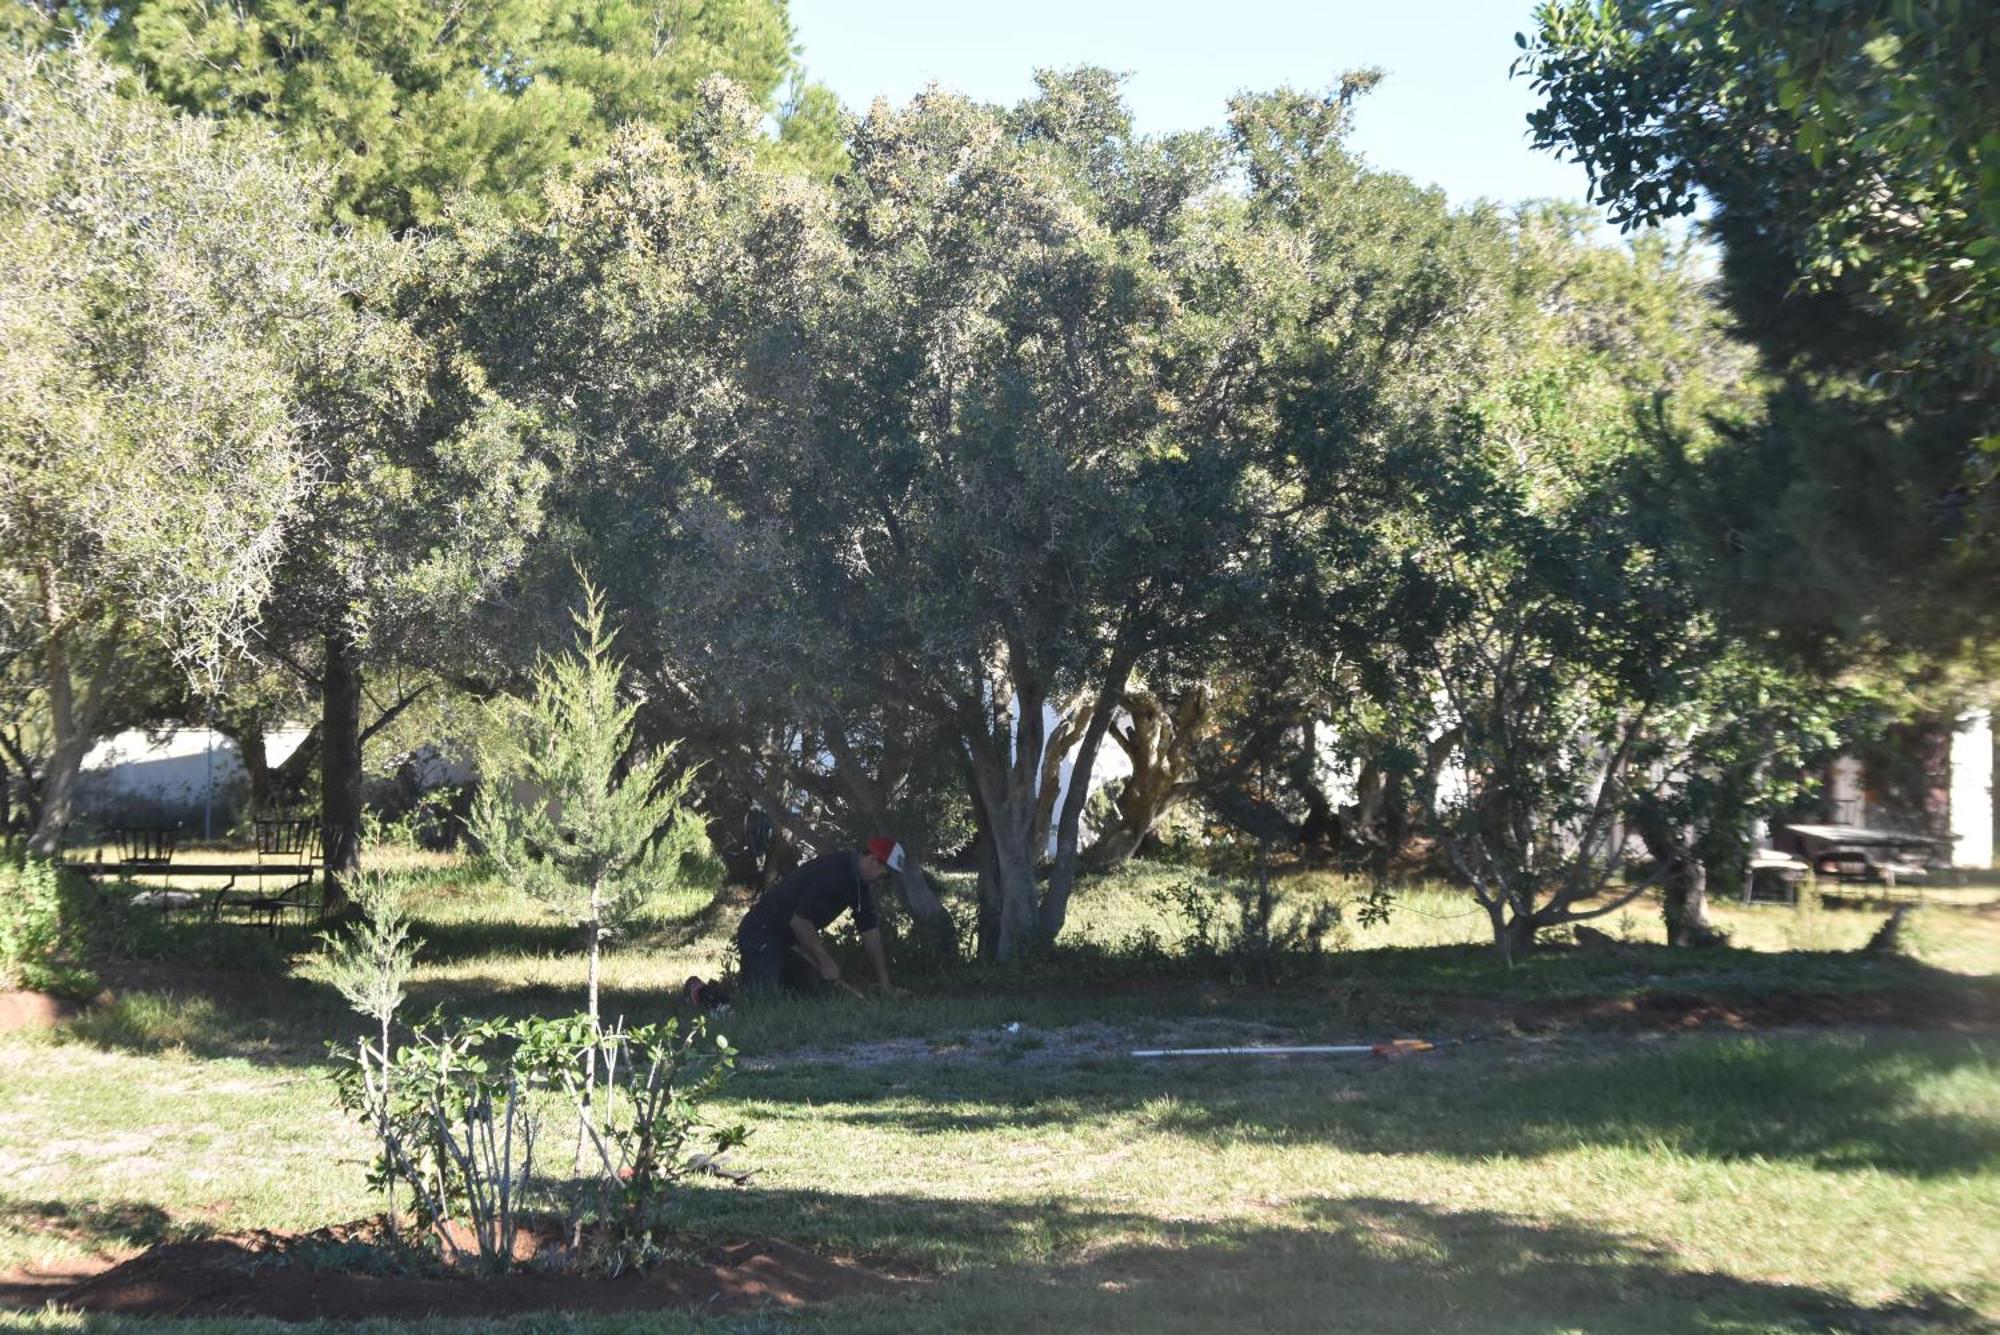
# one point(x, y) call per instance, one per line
point(571, 810)
point(369, 964)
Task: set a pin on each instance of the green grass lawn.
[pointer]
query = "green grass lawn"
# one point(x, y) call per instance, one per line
point(1840, 1179)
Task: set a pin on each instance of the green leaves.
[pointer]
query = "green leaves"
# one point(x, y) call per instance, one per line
point(410, 107)
point(570, 810)
point(166, 300)
point(1848, 153)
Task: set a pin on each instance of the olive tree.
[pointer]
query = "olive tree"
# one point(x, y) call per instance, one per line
point(168, 297)
point(930, 451)
point(427, 496)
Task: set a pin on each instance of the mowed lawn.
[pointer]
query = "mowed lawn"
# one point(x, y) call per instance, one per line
point(1542, 1178)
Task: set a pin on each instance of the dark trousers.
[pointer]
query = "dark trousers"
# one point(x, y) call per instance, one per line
point(772, 960)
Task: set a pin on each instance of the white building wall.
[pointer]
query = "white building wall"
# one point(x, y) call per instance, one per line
point(183, 771)
point(1972, 790)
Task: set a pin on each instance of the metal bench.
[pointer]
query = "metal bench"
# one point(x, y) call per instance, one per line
point(287, 849)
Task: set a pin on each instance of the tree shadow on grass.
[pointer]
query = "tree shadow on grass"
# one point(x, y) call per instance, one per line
point(1635, 968)
point(268, 1020)
point(456, 940)
point(1835, 1102)
point(673, 923)
point(1841, 1101)
point(99, 1226)
point(1370, 1264)
point(1315, 1264)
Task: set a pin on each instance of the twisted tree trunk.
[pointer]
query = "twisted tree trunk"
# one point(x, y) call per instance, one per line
point(1160, 743)
point(340, 764)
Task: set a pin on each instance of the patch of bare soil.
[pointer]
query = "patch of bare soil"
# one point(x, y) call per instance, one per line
point(21, 1010)
point(30, 1287)
point(273, 1275)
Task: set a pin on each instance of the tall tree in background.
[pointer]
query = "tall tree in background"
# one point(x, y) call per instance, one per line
point(167, 304)
point(424, 501)
point(410, 102)
point(1851, 156)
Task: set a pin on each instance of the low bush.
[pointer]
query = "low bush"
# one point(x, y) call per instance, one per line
point(40, 948)
point(458, 1113)
point(1248, 927)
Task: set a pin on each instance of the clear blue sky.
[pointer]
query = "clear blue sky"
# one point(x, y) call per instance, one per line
point(1447, 115)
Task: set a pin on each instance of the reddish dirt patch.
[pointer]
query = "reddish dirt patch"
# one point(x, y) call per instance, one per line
point(29, 1287)
point(33, 1010)
point(1677, 1011)
point(252, 1275)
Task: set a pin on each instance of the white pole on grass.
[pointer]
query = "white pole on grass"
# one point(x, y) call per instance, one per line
point(1315, 1050)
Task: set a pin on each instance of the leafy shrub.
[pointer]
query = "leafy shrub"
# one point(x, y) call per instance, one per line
point(1238, 923)
point(39, 947)
point(458, 1119)
point(640, 1123)
point(453, 1125)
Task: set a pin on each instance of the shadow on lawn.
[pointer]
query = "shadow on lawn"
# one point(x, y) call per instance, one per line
point(454, 941)
point(675, 923)
point(160, 1005)
point(1838, 1101)
point(1372, 1264)
point(1315, 1263)
point(99, 1226)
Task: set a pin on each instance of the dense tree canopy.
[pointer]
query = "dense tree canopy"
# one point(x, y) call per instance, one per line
point(167, 304)
point(1849, 153)
point(408, 101)
point(920, 453)
point(1854, 144)
point(930, 449)
point(424, 497)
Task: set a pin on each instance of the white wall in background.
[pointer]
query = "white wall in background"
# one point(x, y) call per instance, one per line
point(1972, 790)
point(178, 772)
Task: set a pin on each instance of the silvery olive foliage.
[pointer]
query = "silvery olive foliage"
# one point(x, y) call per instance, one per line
point(169, 304)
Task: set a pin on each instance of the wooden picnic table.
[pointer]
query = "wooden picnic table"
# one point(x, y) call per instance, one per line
point(296, 895)
point(1855, 853)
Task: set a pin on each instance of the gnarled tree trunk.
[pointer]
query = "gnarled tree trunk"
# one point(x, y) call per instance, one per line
point(73, 715)
point(1682, 876)
point(1062, 873)
point(340, 764)
point(1006, 762)
point(1160, 742)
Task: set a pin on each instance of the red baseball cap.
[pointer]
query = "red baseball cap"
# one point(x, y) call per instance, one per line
point(887, 852)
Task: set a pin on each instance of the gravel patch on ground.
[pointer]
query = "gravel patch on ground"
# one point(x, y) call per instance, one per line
point(1031, 1045)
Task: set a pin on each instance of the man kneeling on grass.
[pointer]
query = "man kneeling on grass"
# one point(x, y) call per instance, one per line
point(780, 938)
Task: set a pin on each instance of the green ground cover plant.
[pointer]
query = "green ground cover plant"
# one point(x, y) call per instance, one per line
point(1830, 1179)
point(43, 934)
